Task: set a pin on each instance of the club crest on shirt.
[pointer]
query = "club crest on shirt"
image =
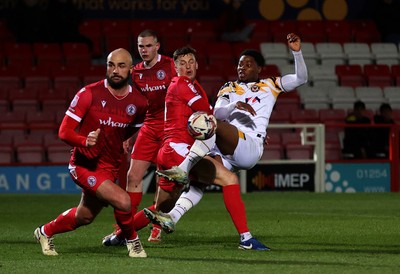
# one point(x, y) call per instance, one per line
point(74, 101)
point(131, 109)
point(91, 180)
point(161, 74)
point(255, 88)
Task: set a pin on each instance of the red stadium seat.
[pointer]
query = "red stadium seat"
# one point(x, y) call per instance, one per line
point(280, 28)
point(30, 153)
point(220, 52)
point(270, 70)
point(169, 46)
point(366, 31)
point(173, 29)
point(4, 104)
point(93, 29)
point(201, 30)
point(52, 94)
point(6, 154)
point(111, 43)
point(10, 82)
point(19, 54)
point(54, 105)
point(350, 75)
point(305, 116)
point(23, 94)
point(59, 153)
point(395, 69)
point(338, 31)
point(290, 138)
point(378, 75)
point(298, 152)
point(27, 139)
point(25, 105)
point(261, 31)
point(76, 55)
point(137, 26)
point(312, 31)
point(333, 152)
point(279, 116)
point(48, 55)
point(332, 115)
point(272, 152)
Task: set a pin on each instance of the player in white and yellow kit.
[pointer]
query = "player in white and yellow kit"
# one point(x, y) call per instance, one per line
point(243, 109)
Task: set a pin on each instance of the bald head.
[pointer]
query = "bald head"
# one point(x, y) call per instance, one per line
point(119, 68)
point(120, 56)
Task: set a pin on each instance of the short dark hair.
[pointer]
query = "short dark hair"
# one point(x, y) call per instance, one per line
point(359, 105)
point(258, 57)
point(385, 106)
point(183, 51)
point(149, 33)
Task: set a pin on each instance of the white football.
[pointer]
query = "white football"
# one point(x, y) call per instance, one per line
point(201, 125)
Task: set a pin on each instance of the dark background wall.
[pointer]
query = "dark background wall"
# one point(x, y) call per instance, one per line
point(256, 9)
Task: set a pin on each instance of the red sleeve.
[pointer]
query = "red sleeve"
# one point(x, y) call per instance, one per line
point(202, 104)
point(68, 134)
point(194, 95)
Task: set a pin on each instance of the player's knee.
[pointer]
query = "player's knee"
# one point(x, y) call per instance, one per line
point(228, 178)
point(84, 219)
point(123, 204)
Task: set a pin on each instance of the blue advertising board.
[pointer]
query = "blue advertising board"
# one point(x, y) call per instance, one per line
point(339, 177)
point(357, 177)
point(37, 179)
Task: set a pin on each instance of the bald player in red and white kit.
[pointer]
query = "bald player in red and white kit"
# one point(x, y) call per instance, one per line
point(152, 77)
point(100, 118)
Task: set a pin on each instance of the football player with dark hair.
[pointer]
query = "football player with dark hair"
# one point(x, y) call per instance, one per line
point(245, 106)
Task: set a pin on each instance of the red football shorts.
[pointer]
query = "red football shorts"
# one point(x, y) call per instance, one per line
point(147, 144)
point(90, 180)
point(167, 158)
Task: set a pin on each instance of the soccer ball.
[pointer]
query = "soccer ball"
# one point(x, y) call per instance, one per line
point(201, 125)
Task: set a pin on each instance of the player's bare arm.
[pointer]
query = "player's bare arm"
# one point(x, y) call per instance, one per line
point(246, 107)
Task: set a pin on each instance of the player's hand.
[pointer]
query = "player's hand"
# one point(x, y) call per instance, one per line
point(125, 145)
point(294, 42)
point(92, 137)
point(246, 107)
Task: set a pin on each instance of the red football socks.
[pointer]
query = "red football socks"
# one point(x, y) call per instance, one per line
point(65, 222)
point(235, 206)
point(125, 222)
point(141, 220)
point(136, 198)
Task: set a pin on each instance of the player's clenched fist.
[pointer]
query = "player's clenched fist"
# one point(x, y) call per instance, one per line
point(293, 41)
point(91, 139)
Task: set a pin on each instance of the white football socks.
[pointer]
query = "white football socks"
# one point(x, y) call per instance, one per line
point(245, 236)
point(199, 149)
point(186, 201)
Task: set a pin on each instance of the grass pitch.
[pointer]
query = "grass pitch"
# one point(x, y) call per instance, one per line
point(307, 232)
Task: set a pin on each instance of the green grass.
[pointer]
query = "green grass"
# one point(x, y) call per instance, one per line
point(307, 232)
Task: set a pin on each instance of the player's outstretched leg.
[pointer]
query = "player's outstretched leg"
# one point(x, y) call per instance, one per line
point(162, 219)
point(175, 174)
